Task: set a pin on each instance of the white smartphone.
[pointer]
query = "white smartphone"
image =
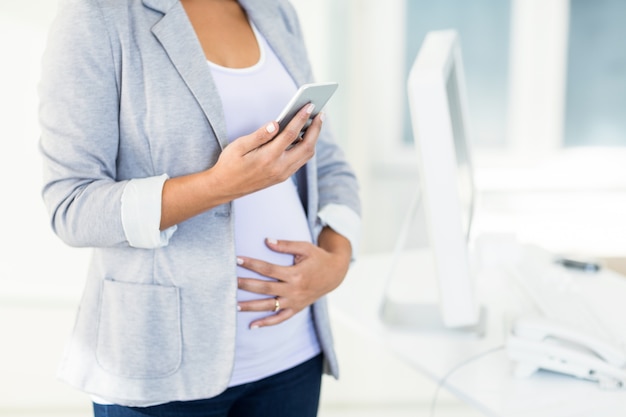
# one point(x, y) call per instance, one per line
point(316, 93)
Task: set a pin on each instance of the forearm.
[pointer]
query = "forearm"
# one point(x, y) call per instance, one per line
point(187, 196)
point(333, 242)
point(341, 249)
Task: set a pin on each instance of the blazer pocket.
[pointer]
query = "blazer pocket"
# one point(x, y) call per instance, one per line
point(139, 330)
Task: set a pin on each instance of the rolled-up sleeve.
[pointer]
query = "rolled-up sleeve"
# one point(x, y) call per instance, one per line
point(343, 220)
point(141, 213)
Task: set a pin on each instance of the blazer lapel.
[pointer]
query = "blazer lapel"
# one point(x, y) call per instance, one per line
point(179, 40)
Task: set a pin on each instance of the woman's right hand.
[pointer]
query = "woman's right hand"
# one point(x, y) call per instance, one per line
point(262, 159)
point(250, 163)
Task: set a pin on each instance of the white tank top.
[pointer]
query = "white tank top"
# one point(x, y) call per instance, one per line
point(252, 97)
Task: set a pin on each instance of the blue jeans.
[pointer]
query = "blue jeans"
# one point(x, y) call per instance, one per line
point(294, 392)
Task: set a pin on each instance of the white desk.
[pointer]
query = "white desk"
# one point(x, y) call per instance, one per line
point(487, 382)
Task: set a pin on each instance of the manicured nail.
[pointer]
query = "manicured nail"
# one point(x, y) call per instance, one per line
point(254, 327)
point(270, 128)
point(238, 307)
point(272, 241)
point(322, 116)
point(239, 261)
point(310, 108)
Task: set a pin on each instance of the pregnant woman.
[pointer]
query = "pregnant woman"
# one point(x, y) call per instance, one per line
point(214, 241)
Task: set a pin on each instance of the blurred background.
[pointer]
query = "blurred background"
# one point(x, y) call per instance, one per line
point(546, 83)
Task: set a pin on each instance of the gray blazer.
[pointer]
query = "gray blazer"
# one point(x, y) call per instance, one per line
point(126, 93)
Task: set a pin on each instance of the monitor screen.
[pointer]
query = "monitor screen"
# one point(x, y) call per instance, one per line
point(436, 92)
point(465, 181)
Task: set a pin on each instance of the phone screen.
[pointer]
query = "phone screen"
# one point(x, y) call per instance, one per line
point(316, 93)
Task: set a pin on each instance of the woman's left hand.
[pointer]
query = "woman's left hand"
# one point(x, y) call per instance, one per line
point(317, 270)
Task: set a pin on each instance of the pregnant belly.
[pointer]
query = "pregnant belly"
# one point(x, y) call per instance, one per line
point(275, 212)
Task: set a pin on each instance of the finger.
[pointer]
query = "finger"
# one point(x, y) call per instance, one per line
point(291, 247)
point(310, 134)
point(261, 267)
point(315, 127)
point(272, 304)
point(273, 319)
point(259, 286)
point(303, 149)
point(257, 138)
point(292, 131)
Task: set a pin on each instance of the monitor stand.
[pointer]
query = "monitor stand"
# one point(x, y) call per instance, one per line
point(419, 316)
point(426, 317)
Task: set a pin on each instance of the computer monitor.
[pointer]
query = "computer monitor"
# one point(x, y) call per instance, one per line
point(436, 89)
point(437, 101)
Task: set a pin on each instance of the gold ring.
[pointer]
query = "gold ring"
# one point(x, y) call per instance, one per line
point(276, 304)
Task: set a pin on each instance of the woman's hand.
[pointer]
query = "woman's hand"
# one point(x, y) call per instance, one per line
point(250, 163)
point(260, 160)
point(317, 270)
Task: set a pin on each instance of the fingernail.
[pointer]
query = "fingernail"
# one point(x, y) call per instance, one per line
point(272, 241)
point(239, 261)
point(238, 307)
point(270, 128)
point(322, 116)
point(254, 327)
point(310, 108)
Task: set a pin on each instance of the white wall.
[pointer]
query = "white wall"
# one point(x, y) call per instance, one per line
point(40, 278)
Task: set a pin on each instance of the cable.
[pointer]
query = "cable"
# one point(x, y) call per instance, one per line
point(467, 361)
point(402, 239)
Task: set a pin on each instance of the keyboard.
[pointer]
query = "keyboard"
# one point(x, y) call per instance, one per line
point(591, 302)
